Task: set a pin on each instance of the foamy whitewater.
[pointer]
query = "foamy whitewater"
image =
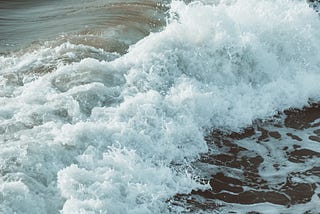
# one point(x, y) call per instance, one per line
point(119, 133)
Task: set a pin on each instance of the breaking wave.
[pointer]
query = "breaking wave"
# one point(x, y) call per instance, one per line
point(88, 130)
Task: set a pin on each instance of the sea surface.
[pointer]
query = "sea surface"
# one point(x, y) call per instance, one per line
point(141, 106)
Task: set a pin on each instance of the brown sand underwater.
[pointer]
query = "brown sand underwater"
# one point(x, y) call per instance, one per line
point(235, 177)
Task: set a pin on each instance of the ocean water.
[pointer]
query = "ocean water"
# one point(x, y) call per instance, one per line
point(128, 106)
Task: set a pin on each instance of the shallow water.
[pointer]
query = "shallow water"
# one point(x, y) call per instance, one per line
point(113, 21)
point(142, 107)
point(270, 167)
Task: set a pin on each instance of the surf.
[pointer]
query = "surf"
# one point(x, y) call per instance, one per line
point(89, 129)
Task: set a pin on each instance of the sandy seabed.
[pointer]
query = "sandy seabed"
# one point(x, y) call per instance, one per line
point(240, 176)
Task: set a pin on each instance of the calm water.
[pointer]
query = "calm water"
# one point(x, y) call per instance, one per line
point(26, 22)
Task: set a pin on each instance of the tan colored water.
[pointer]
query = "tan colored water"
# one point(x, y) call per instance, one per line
point(111, 25)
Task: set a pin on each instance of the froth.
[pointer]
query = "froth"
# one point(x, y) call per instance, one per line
point(118, 136)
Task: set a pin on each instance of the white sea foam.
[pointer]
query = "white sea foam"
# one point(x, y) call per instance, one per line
point(119, 136)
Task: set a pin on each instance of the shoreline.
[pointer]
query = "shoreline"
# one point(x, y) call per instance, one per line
point(236, 176)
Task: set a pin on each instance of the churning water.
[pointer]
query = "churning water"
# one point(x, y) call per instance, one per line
point(98, 115)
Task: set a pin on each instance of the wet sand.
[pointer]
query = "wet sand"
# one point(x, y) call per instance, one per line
point(236, 179)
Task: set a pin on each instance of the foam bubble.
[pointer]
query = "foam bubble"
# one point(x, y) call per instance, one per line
point(119, 136)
